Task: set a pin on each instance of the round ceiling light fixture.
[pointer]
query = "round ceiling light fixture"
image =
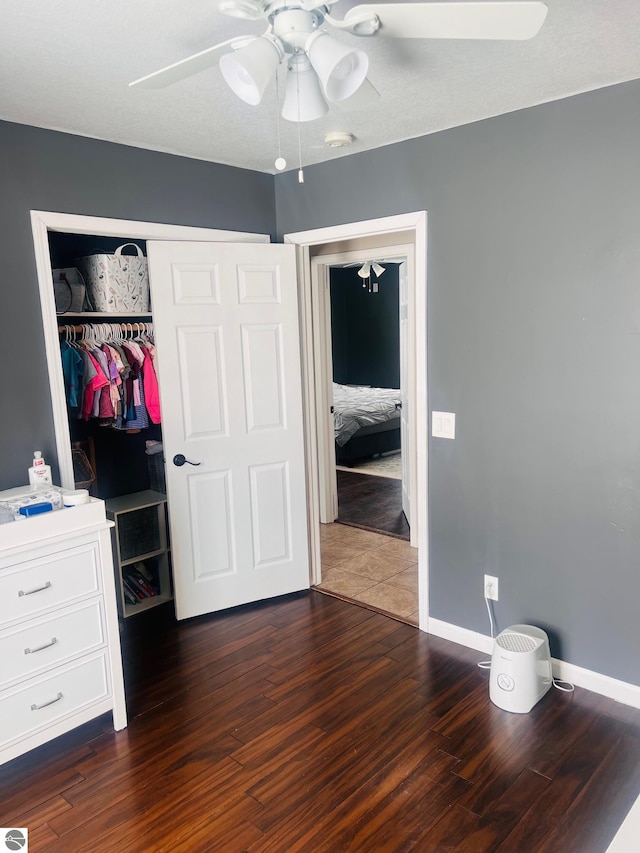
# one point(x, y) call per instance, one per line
point(338, 138)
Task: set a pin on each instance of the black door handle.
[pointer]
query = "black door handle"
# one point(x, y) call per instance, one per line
point(179, 460)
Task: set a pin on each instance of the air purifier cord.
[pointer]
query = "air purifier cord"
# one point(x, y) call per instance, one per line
point(486, 664)
point(559, 681)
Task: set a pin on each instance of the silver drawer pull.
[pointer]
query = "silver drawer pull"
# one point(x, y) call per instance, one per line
point(31, 591)
point(44, 704)
point(40, 648)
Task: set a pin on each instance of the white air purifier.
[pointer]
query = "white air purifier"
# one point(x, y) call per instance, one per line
point(520, 668)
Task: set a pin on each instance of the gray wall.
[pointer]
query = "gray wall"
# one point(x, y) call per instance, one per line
point(533, 335)
point(534, 342)
point(44, 170)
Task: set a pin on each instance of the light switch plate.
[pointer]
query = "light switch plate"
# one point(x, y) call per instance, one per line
point(443, 424)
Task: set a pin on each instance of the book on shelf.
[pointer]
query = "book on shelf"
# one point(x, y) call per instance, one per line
point(140, 586)
point(141, 580)
point(128, 592)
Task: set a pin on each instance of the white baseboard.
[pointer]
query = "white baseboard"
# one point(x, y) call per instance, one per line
point(462, 636)
point(612, 688)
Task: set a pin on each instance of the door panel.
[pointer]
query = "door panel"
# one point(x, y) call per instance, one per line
point(263, 376)
point(271, 516)
point(211, 520)
point(205, 414)
point(226, 325)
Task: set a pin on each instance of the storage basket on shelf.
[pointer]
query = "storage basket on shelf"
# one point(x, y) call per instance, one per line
point(139, 533)
point(117, 283)
point(68, 290)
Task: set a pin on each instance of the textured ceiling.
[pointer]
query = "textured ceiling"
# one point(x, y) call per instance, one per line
point(66, 65)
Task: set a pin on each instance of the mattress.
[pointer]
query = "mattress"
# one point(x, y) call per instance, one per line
point(357, 406)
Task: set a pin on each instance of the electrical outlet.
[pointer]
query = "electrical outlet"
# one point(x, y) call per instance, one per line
point(491, 587)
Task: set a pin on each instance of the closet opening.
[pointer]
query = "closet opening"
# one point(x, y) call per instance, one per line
point(115, 446)
point(108, 363)
point(203, 257)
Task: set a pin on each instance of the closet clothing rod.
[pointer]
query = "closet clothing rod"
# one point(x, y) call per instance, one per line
point(126, 327)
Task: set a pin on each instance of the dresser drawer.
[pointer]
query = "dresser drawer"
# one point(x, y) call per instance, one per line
point(44, 701)
point(40, 644)
point(36, 586)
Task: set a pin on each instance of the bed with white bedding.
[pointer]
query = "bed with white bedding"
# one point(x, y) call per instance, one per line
point(366, 421)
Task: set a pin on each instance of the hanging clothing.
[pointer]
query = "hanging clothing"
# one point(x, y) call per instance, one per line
point(72, 371)
point(151, 393)
point(135, 416)
point(94, 379)
point(111, 379)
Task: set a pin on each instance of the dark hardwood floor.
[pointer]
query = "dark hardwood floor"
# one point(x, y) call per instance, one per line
point(308, 724)
point(373, 503)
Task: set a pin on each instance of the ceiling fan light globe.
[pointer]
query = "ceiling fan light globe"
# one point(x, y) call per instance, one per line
point(341, 69)
point(303, 99)
point(249, 70)
point(365, 270)
point(378, 268)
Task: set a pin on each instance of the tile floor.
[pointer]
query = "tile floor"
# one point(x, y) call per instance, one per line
point(370, 568)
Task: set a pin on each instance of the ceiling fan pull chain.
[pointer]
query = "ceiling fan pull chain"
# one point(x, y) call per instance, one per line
point(280, 163)
point(300, 171)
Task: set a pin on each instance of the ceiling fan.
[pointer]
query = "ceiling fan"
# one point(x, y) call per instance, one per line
point(367, 267)
point(320, 69)
point(365, 270)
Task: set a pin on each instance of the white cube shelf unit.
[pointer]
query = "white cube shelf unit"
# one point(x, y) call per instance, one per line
point(140, 536)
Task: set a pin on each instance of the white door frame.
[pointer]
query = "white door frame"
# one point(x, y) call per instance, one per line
point(305, 241)
point(44, 221)
point(323, 371)
point(323, 374)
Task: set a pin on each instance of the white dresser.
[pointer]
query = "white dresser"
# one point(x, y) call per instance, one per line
point(60, 660)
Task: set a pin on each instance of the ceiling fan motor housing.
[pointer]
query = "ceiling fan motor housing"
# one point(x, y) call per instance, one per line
point(294, 26)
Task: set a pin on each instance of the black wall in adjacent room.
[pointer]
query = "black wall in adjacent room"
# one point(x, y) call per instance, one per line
point(365, 329)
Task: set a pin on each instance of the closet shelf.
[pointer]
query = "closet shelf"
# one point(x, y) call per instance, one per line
point(148, 555)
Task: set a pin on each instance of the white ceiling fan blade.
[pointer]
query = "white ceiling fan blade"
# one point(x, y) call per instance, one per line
point(311, 5)
point(365, 97)
point(488, 20)
point(189, 66)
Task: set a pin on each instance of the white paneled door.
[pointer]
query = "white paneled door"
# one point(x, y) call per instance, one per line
point(226, 325)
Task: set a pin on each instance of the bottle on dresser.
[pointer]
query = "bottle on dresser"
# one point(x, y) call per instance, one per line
point(40, 472)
